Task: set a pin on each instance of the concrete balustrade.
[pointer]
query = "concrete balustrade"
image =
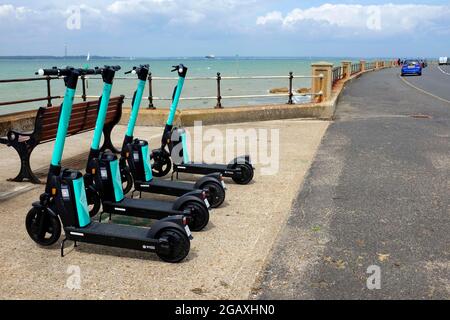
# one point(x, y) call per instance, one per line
point(322, 73)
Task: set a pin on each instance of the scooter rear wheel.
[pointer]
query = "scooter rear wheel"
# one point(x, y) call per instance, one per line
point(42, 227)
point(200, 215)
point(174, 245)
point(216, 193)
point(246, 176)
point(161, 163)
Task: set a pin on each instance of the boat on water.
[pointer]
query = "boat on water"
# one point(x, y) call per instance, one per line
point(211, 56)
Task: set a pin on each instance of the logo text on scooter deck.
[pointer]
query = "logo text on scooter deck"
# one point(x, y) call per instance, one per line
point(148, 247)
point(77, 234)
point(120, 209)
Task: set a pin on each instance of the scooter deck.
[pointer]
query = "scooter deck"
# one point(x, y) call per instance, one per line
point(114, 235)
point(205, 168)
point(167, 187)
point(142, 208)
point(112, 230)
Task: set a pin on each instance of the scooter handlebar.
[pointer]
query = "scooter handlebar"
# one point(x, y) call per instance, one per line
point(181, 69)
point(131, 71)
point(141, 71)
point(115, 68)
point(66, 71)
point(48, 72)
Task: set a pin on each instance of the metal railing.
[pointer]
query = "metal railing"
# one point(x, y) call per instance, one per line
point(337, 75)
point(356, 68)
point(48, 98)
point(370, 65)
point(218, 97)
point(151, 97)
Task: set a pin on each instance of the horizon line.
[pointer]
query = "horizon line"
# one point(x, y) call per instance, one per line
point(198, 57)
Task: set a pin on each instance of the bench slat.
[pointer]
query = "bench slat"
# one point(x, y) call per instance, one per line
point(83, 118)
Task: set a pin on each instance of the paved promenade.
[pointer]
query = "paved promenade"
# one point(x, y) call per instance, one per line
point(378, 193)
point(225, 260)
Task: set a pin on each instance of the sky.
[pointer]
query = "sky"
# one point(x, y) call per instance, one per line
point(188, 28)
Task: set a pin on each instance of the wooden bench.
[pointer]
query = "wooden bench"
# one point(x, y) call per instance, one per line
point(83, 118)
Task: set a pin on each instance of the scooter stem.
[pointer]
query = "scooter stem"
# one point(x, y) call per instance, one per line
point(135, 108)
point(182, 71)
point(108, 74)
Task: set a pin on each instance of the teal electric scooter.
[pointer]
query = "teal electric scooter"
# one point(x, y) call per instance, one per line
point(174, 146)
point(65, 199)
point(136, 153)
point(104, 182)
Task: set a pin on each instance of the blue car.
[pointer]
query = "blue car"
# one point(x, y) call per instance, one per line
point(412, 67)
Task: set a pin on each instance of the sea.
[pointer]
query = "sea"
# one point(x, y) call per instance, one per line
point(13, 68)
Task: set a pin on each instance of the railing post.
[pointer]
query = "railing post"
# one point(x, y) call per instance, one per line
point(219, 95)
point(83, 81)
point(291, 84)
point(49, 93)
point(322, 73)
point(363, 65)
point(150, 91)
point(346, 69)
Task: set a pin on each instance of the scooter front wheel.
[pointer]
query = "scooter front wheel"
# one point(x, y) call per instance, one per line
point(94, 202)
point(127, 180)
point(216, 193)
point(173, 245)
point(199, 215)
point(42, 227)
point(161, 163)
point(246, 175)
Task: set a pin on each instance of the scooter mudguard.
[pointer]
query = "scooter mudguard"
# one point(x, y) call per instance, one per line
point(193, 196)
point(39, 206)
point(240, 160)
point(173, 222)
point(213, 177)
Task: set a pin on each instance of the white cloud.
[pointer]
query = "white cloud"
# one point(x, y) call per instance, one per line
point(10, 11)
point(141, 6)
point(388, 17)
point(271, 17)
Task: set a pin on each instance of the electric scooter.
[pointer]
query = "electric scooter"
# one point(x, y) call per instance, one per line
point(104, 183)
point(136, 154)
point(65, 199)
point(240, 169)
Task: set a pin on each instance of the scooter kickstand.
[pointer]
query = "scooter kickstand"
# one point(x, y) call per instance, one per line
point(62, 247)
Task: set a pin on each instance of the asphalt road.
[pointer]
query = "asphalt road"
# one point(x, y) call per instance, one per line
point(435, 80)
point(377, 194)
